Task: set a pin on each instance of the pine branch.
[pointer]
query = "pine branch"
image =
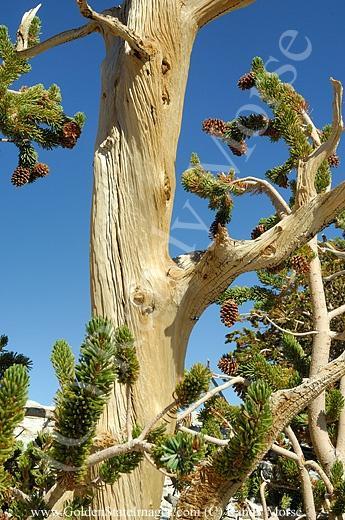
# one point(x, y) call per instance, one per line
point(117, 28)
point(59, 39)
point(253, 184)
point(204, 11)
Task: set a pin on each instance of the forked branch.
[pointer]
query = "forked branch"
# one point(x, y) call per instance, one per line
point(117, 28)
point(203, 11)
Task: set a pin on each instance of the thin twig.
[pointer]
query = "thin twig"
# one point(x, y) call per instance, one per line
point(172, 406)
point(333, 276)
point(316, 467)
point(284, 452)
point(119, 449)
point(161, 470)
point(263, 500)
point(208, 438)
point(208, 396)
point(266, 187)
point(336, 312)
point(59, 39)
point(284, 330)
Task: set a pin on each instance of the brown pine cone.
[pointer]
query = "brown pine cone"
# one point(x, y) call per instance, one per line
point(247, 81)
point(300, 264)
point(229, 313)
point(20, 176)
point(258, 231)
point(71, 129)
point(214, 127)
point(334, 161)
point(227, 364)
point(70, 134)
point(239, 149)
point(272, 132)
point(38, 171)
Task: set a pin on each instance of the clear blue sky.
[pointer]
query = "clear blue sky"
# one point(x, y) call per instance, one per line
point(45, 226)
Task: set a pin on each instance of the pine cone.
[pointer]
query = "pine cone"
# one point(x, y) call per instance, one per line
point(247, 81)
point(71, 129)
point(240, 390)
point(39, 170)
point(272, 132)
point(300, 264)
point(227, 364)
point(70, 134)
point(258, 231)
point(20, 176)
point(214, 127)
point(239, 149)
point(333, 160)
point(229, 313)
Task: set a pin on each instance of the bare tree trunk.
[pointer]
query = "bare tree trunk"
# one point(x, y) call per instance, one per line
point(134, 183)
point(322, 444)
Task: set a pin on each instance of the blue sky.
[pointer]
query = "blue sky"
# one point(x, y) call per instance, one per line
point(45, 226)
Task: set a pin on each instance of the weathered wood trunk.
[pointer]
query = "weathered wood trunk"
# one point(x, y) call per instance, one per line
point(134, 183)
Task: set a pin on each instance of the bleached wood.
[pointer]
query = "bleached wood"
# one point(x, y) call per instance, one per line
point(116, 27)
point(24, 28)
point(306, 486)
point(203, 11)
point(59, 39)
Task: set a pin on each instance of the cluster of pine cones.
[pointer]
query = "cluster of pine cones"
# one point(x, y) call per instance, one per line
point(23, 175)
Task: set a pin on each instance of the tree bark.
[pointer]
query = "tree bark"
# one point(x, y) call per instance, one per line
point(134, 182)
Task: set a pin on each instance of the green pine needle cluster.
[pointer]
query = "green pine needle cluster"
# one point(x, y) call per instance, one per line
point(84, 391)
point(9, 358)
point(32, 114)
point(126, 361)
point(13, 396)
point(179, 453)
point(195, 382)
point(253, 420)
point(294, 352)
point(338, 481)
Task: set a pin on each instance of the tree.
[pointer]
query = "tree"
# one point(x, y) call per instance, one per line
point(133, 278)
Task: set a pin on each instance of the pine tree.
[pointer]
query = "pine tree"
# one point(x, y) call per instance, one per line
point(31, 115)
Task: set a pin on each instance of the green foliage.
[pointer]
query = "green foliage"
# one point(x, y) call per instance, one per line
point(338, 481)
point(13, 396)
point(63, 362)
point(195, 382)
point(110, 471)
point(74, 508)
point(250, 428)
point(32, 114)
point(277, 377)
point(294, 353)
point(126, 361)
point(79, 403)
point(8, 358)
point(179, 453)
point(334, 404)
